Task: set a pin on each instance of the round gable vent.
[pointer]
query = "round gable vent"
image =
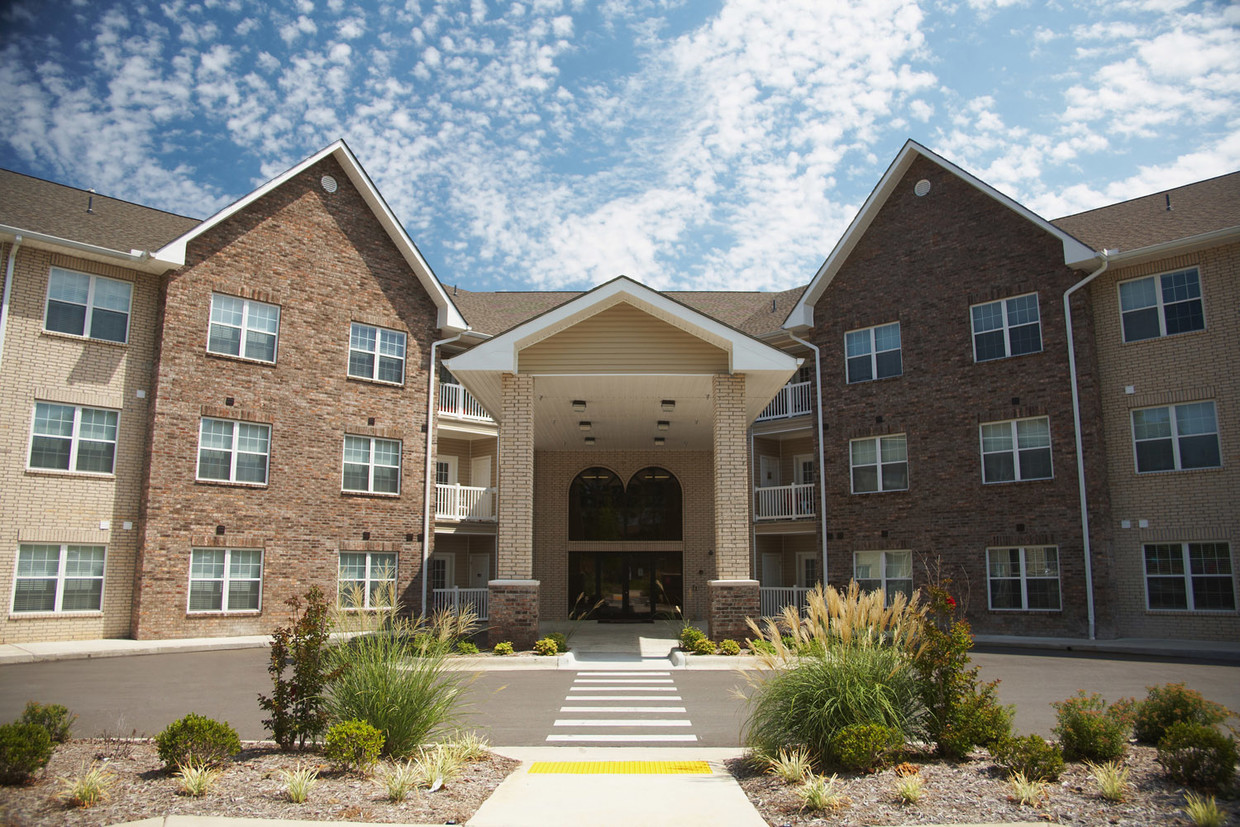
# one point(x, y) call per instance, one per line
point(921, 187)
point(329, 183)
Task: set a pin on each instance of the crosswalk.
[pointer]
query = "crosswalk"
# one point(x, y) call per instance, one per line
point(622, 708)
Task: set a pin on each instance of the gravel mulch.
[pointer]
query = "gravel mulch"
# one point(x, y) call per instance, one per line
point(976, 791)
point(250, 787)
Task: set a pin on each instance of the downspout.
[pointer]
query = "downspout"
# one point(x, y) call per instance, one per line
point(8, 291)
point(431, 400)
point(1076, 423)
point(822, 468)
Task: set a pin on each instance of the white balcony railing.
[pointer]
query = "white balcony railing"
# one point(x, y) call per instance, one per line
point(775, 598)
point(455, 401)
point(456, 599)
point(793, 399)
point(464, 502)
point(783, 502)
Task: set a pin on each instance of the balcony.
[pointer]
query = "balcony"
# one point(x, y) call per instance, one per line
point(464, 502)
point(784, 502)
point(457, 402)
point(454, 600)
point(793, 399)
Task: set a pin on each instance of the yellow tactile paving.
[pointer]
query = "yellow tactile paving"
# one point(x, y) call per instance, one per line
point(619, 768)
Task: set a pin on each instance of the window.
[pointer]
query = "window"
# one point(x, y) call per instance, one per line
point(443, 571)
point(375, 353)
point(873, 353)
point(891, 571)
point(91, 306)
point(1016, 450)
point(70, 438)
point(225, 580)
point(1176, 437)
point(58, 578)
point(1189, 577)
point(367, 580)
point(233, 451)
point(244, 328)
point(1024, 578)
point(879, 464)
point(371, 465)
point(1010, 327)
point(1161, 305)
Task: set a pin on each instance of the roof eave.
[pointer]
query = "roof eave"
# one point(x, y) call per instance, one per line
point(134, 259)
point(1178, 246)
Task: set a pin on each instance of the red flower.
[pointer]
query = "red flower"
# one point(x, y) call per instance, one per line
point(951, 602)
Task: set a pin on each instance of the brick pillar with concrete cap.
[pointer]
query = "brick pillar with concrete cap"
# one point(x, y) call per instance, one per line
point(513, 595)
point(733, 594)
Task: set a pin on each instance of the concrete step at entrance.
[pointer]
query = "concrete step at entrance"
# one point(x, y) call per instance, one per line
point(632, 644)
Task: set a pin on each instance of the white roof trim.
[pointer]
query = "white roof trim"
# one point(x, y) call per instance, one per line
point(450, 318)
point(1075, 254)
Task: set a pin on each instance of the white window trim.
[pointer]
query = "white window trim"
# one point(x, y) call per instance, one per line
point(90, 307)
point(453, 469)
point(1007, 328)
point(245, 329)
point(368, 580)
point(872, 330)
point(74, 441)
point(370, 466)
point(878, 453)
point(1160, 304)
point(60, 583)
point(374, 377)
point(1187, 576)
point(1015, 450)
point(802, 558)
point(227, 579)
point(882, 578)
point(799, 462)
point(449, 561)
point(1175, 438)
point(1024, 581)
point(232, 454)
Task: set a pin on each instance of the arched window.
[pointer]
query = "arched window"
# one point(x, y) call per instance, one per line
point(654, 506)
point(600, 508)
point(596, 506)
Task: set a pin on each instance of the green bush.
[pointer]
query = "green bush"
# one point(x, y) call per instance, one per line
point(561, 641)
point(1198, 756)
point(52, 717)
point(703, 646)
point(504, 647)
point(295, 703)
point(761, 647)
point(729, 647)
point(197, 739)
point(546, 646)
point(1032, 756)
point(1089, 730)
point(353, 746)
point(864, 747)
point(689, 636)
point(466, 647)
point(1173, 704)
point(24, 750)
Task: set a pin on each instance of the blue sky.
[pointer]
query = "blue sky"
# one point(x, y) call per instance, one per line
point(553, 144)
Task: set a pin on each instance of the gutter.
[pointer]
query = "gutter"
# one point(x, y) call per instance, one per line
point(822, 469)
point(8, 292)
point(429, 489)
point(131, 257)
point(1105, 255)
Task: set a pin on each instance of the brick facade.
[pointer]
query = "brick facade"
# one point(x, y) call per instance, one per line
point(731, 602)
point(513, 613)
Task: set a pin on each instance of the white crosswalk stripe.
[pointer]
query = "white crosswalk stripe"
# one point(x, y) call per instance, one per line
point(622, 700)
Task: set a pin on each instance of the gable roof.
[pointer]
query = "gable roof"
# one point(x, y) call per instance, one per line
point(450, 318)
point(1075, 254)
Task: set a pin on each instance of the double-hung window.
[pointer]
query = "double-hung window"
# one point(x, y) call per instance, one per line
point(1176, 437)
point(1025, 578)
point(1189, 577)
point(1016, 450)
point(891, 571)
point(376, 353)
point(1163, 305)
point(73, 438)
point(58, 578)
point(371, 465)
point(1009, 327)
point(225, 580)
point(873, 353)
point(367, 580)
point(879, 464)
point(243, 328)
point(86, 305)
point(231, 451)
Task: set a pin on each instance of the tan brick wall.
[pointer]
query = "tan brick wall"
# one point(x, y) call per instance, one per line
point(516, 479)
point(732, 494)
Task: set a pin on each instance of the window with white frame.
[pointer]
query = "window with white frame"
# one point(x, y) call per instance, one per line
point(1016, 450)
point(371, 465)
point(1176, 437)
point(873, 353)
point(1024, 578)
point(243, 328)
point(879, 464)
point(86, 305)
point(230, 451)
point(73, 438)
point(367, 580)
point(1189, 577)
point(891, 571)
point(58, 578)
point(376, 353)
point(443, 571)
point(1008, 327)
point(1163, 305)
point(225, 580)
point(809, 569)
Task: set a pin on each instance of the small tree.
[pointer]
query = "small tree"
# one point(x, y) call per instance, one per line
point(296, 705)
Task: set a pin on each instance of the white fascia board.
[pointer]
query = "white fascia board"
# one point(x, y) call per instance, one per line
point(134, 259)
point(1179, 246)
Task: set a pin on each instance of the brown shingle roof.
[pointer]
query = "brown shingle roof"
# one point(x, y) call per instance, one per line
point(1142, 222)
point(55, 209)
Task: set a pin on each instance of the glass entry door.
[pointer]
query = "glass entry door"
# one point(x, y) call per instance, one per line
point(624, 585)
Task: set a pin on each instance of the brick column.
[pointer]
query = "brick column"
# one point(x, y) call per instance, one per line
point(513, 608)
point(733, 596)
point(731, 601)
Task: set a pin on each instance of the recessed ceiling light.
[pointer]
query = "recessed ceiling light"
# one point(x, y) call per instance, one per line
point(579, 405)
point(589, 440)
point(664, 424)
point(583, 425)
point(669, 405)
point(659, 440)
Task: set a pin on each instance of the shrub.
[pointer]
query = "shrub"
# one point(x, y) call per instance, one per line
point(196, 739)
point(52, 717)
point(295, 704)
point(561, 641)
point(353, 746)
point(703, 646)
point(729, 647)
point(909, 789)
point(546, 646)
point(1089, 730)
point(466, 647)
point(504, 647)
point(1031, 756)
point(689, 636)
point(1198, 756)
point(864, 747)
point(789, 642)
point(88, 787)
point(761, 647)
point(24, 750)
point(1173, 704)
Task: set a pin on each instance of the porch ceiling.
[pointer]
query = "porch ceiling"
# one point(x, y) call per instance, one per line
point(623, 412)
